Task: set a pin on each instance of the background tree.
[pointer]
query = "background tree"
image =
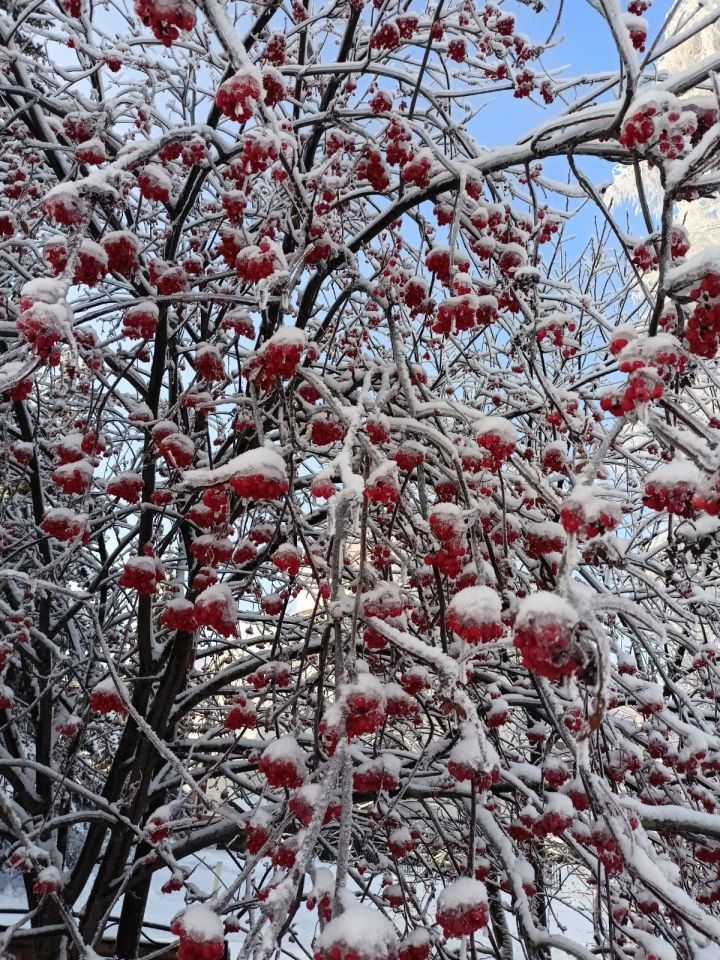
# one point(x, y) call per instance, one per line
point(360, 481)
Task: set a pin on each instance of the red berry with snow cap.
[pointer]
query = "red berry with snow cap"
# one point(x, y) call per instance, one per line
point(241, 715)
point(47, 882)
point(66, 525)
point(545, 629)
point(283, 763)
point(201, 933)
point(364, 705)
point(126, 486)
point(215, 607)
point(475, 615)
point(359, 933)
point(382, 486)
point(260, 475)
point(672, 487)
point(462, 908)
point(498, 437)
point(106, 698)
point(166, 18)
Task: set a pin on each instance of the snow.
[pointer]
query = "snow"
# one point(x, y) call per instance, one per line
point(546, 605)
point(362, 927)
point(387, 469)
point(693, 269)
point(461, 893)
point(164, 427)
point(702, 526)
point(108, 685)
point(401, 835)
point(157, 175)
point(50, 875)
point(417, 937)
point(285, 748)
point(367, 684)
point(324, 883)
point(476, 603)
point(139, 412)
point(217, 593)
point(497, 425)
point(206, 350)
point(262, 460)
point(126, 236)
point(467, 749)
point(201, 924)
point(677, 471)
point(310, 793)
point(162, 814)
point(286, 336)
point(94, 251)
point(65, 513)
point(84, 467)
point(559, 803)
point(14, 371)
point(653, 946)
point(549, 529)
point(443, 510)
point(43, 290)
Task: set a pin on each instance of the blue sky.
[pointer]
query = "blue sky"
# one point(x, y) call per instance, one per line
point(583, 46)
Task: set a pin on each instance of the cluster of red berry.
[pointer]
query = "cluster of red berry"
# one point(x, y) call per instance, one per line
point(545, 635)
point(142, 574)
point(66, 526)
point(465, 312)
point(257, 262)
point(675, 497)
point(200, 932)
point(238, 96)
point(166, 18)
point(105, 698)
point(702, 333)
point(382, 486)
point(462, 908)
point(215, 608)
point(372, 167)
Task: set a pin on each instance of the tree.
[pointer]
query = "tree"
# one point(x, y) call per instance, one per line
point(360, 481)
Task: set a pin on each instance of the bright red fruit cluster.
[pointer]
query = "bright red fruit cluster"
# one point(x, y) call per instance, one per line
point(105, 698)
point(462, 908)
point(277, 360)
point(382, 485)
point(545, 635)
point(200, 932)
point(364, 706)
point(257, 262)
point(498, 438)
point(166, 18)
point(672, 487)
point(66, 526)
point(238, 96)
point(283, 764)
point(702, 333)
point(474, 615)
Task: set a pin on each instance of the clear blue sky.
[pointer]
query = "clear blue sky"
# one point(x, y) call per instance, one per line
point(583, 47)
